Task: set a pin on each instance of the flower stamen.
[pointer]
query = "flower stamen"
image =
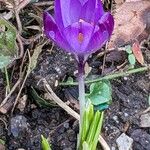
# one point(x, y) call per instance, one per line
point(81, 20)
point(80, 37)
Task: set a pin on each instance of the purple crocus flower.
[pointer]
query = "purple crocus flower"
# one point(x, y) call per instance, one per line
point(80, 27)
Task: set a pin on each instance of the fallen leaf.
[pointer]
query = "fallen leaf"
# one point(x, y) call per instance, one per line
point(119, 2)
point(8, 44)
point(34, 57)
point(116, 56)
point(131, 20)
point(2, 147)
point(137, 52)
point(87, 69)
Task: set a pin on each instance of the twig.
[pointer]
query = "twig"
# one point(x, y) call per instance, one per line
point(70, 111)
point(55, 128)
point(50, 8)
point(29, 69)
point(10, 93)
point(9, 15)
point(47, 3)
point(103, 143)
point(17, 9)
point(29, 41)
point(119, 67)
point(110, 77)
point(7, 106)
point(20, 46)
point(59, 101)
point(19, 24)
point(22, 5)
point(16, 100)
point(4, 123)
point(104, 59)
point(145, 111)
point(110, 50)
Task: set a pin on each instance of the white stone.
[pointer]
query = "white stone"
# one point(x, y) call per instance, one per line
point(124, 142)
point(145, 120)
point(126, 115)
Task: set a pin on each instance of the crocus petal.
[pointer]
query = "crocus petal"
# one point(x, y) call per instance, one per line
point(92, 11)
point(108, 21)
point(98, 39)
point(83, 2)
point(102, 33)
point(80, 26)
point(49, 25)
point(67, 12)
point(52, 32)
point(78, 36)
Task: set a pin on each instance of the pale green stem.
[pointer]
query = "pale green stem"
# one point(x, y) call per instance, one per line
point(81, 87)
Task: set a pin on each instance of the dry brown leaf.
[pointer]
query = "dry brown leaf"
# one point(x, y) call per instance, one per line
point(131, 19)
point(119, 2)
point(2, 147)
point(87, 69)
point(137, 52)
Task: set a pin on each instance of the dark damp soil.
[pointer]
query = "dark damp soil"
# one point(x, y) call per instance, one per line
point(53, 123)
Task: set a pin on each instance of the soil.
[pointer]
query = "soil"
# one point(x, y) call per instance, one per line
point(23, 129)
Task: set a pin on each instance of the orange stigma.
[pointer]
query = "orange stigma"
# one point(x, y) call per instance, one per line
point(80, 37)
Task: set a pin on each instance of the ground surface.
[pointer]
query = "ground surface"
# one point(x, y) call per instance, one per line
point(24, 127)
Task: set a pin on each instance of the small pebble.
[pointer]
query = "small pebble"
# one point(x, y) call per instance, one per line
point(18, 124)
point(126, 115)
point(124, 142)
point(66, 125)
point(145, 120)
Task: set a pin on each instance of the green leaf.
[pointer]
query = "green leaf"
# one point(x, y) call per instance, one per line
point(128, 49)
point(39, 100)
point(85, 146)
point(4, 61)
point(90, 129)
point(87, 118)
point(131, 59)
point(93, 128)
point(90, 113)
point(35, 56)
point(101, 106)
point(85, 125)
point(45, 144)
point(100, 93)
point(2, 142)
point(96, 136)
point(8, 45)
